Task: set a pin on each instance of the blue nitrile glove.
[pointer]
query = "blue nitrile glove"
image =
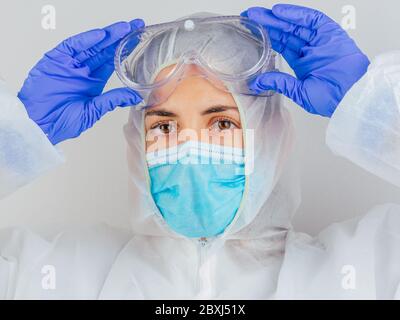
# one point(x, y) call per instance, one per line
point(63, 92)
point(326, 61)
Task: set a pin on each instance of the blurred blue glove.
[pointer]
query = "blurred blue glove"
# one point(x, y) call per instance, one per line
point(63, 92)
point(326, 61)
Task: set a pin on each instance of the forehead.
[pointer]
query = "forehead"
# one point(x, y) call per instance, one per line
point(193, 89)
point(190, 70)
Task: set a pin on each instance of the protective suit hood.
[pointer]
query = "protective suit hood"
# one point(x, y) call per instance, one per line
point(271, 195)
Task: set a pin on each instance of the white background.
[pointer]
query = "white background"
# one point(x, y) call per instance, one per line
point(92, 185)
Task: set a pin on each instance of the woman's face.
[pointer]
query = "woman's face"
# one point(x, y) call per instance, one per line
point(196, 110)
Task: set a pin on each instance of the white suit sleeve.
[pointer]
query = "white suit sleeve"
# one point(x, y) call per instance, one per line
point(365, 128)
point(73, 265)
point(25, 151)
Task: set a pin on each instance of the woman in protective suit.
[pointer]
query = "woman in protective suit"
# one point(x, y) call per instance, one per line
point(211, 230)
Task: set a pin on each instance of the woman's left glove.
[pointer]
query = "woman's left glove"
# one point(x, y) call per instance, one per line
point(326, 61)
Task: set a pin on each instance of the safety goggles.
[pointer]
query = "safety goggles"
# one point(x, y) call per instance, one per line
point(228, 51)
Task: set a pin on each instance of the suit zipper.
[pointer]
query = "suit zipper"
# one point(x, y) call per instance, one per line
point(204, 276)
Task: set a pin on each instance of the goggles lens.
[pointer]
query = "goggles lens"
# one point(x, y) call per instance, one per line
point(227, 51)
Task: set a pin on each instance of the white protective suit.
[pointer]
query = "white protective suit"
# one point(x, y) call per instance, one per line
point(259, 256)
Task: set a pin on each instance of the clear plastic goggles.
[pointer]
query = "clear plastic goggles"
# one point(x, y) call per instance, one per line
point(228, 51)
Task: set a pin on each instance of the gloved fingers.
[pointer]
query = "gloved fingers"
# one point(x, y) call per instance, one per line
point(267, 18)
point(104, 71)
point(104, 57)
point(282, 40)
point(280, 82)
point(114, 33)
point(81, 42)
point(137, 24)
point(108, 101)
point(302, 16)
point(289, 55)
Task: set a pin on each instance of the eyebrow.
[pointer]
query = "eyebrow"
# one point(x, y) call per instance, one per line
point(217, 109)
point(160, 113)
point(213, 109)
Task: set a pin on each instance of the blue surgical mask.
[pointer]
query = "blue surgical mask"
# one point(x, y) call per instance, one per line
point(197, 187)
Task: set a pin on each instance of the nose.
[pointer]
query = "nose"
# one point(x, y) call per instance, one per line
point(191, 132)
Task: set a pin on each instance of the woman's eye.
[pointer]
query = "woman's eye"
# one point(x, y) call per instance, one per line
point(164, 128)
point(223, 124)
